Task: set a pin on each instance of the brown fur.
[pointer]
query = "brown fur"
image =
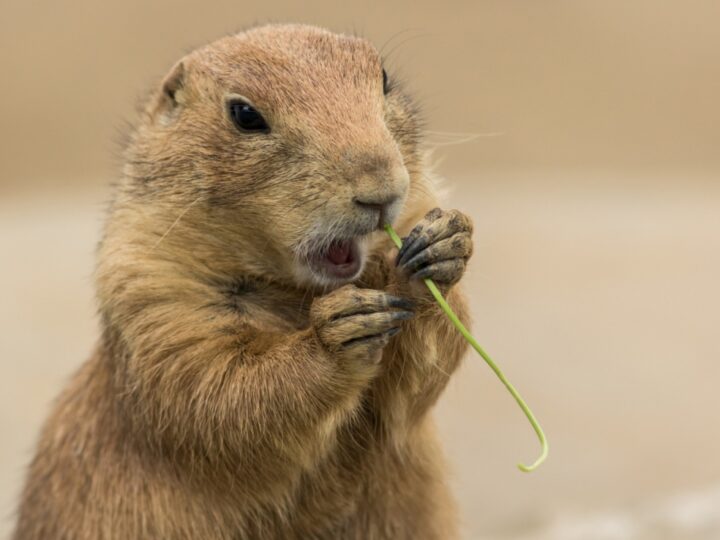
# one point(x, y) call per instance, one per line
point(233, 394)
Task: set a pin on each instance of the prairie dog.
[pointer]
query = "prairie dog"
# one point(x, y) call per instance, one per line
point(268, 361)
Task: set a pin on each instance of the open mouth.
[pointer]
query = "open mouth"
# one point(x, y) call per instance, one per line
point(341, 260)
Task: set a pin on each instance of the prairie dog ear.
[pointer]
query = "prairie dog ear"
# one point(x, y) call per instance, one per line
point(172, 94)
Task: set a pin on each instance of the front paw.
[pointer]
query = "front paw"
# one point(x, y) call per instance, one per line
point(437, 248)
point(356, 324)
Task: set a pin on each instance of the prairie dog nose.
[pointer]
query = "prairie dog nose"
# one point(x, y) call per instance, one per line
point(375, 201)
point(383, 204)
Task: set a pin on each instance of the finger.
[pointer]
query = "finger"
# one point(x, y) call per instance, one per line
point(445, 272)
point(352, 300)
point(364, 301)
point(340, 331)
point(357, 326)
point(369, 345)
point(457, 246)
point(409, 240)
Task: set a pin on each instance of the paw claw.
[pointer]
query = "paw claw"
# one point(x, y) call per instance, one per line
point(402, 303)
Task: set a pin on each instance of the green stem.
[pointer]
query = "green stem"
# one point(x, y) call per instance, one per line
point(475, 345)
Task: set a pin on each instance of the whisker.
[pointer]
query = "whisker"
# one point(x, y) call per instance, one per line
point(395, 36)
point(177, 220)
point(449, 139)
point(392, 51)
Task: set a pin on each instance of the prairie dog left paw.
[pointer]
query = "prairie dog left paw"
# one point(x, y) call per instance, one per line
point(438, 247)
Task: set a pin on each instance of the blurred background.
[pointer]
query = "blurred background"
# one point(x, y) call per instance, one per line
point(583, 137)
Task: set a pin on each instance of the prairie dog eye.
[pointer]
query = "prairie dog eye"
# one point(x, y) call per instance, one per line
point(386, 82)
point(246, 118)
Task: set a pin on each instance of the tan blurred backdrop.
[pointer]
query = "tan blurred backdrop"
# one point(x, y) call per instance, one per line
point(594, 180)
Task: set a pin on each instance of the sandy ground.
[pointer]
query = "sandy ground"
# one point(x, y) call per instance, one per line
point(601, 305)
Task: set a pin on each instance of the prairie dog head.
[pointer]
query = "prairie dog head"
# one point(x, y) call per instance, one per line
point(286, 146)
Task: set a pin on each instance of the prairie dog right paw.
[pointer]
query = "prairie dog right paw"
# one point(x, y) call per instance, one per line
point(357, 323)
